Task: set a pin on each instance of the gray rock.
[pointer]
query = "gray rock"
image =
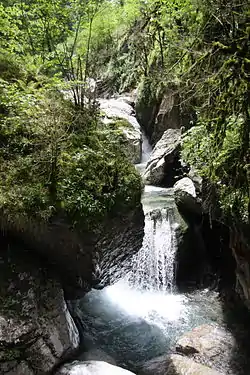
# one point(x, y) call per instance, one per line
point(97, 355)
point(176, 365)
point(92, 368)
point(168, 116)
point(186, 186)
point(163, 157)
point(147, 105)
point(185, 197)
point(36, 330)
point(211, 345)
point(159, 110)
point(88, 258)
point(191, 258)
point(16, 368)
point(197, 180)
point(121, 237)
point(121, 109)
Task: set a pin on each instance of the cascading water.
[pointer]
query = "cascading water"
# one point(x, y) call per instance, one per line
point(153, 267)
point(142, 315)
point(147, 291)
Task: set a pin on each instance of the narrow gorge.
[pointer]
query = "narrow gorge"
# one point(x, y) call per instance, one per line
point(148, 322)
point(124, 187)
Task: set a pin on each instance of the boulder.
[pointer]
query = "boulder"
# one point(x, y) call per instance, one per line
point(36, 329)
point(119, 109)
point(186, 199)
point(176, 365)
point(191, 257)
point(212, 345)
point(164, 159)
point(197, 180)
point(92, 368)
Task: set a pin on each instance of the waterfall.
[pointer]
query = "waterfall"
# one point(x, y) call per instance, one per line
point(146, 148)
point(148, 290)
point(152, 268)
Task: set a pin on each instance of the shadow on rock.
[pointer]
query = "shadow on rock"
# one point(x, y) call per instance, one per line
point(237, 319)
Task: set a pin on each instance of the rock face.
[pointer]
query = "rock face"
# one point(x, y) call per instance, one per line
point(191, 257)
point(36, 329)
point(92, 368)
point(116, 246)
point(176, 365)
point(159, 110)
point(230, 258)
point(147, 106)
point(208, 349)
point(185, 197)
point(121, 109)
point(164, 159)
point(240, 245)
point(85, 259)
point(168, 116)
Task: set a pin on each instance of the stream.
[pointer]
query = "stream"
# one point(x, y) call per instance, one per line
point(142, 315)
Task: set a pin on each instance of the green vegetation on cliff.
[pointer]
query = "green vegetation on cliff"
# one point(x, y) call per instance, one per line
point(219, 80)
point(199, 49)
point(56, 157)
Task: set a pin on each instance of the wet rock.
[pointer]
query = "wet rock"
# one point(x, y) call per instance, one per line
point(239, 243)
point(191, 256)
point(164, 159)
point(176, 365)
point(85, 258)
point(97, 355)
point(186, 198)
point(121, 237)
point(36, 330)
point(119, 112)
point(211, 345)
point(92, 368)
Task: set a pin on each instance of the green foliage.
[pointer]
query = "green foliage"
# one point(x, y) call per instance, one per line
point(201, 49)
point(119, 123)
point(10, 66)
point(96, 182)
point(57, 158)
point(219, 79)
point(221, 165)
point(49, 147)
point(55, 161)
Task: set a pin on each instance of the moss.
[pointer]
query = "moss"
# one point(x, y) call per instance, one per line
point(10, 354)
point(118, 123)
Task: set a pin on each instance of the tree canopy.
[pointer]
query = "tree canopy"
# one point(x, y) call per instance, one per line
point(199, 48)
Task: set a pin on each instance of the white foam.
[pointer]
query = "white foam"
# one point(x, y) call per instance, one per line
point(156, 308)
